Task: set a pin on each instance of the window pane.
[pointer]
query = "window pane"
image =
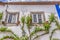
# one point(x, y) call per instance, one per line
point(13, 19)
point(16, 18)
point(10, 18)
point(39, 18)
point(34, 18)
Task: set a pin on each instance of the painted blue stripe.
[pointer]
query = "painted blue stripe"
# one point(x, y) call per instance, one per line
point(58, 9)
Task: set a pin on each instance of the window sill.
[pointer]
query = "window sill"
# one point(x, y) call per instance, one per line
point(37, 24)
point(11, 24)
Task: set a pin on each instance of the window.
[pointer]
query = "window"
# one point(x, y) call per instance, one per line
point(38, 17)
point(12, 18)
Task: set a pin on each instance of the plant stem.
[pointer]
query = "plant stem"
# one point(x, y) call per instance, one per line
point(53, 33)
point(23, 30)
point(40, 35)
point(29, 34)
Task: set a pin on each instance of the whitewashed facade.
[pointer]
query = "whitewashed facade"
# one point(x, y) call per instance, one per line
point(26, 10)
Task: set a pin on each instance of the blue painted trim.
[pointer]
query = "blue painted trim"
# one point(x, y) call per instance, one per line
point(58, 9)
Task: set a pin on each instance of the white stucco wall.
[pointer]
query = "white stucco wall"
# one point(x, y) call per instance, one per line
point(26, 9)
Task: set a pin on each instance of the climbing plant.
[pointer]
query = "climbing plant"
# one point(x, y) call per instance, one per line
point(4, 29)
point(53, 19)
point(46, 26)
point(1, 14)
point(28, 22)
point(23, 22)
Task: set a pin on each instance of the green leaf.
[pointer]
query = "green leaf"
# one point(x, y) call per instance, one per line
point(28, 21)
point(24, 38)
point(46, 26)
point(23, 19)
point(37, 29)
point(1, 14)
point(3, 29)
point(10, 37)
point(56, 39)
point(52, 17)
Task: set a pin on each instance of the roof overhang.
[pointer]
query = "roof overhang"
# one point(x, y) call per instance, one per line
point(1, 3)
point(30, 3)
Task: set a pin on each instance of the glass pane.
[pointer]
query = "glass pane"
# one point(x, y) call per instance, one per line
point(39, 18)
point(13, 19)
point(10, 18)
point(35, 18)
point(16, 18)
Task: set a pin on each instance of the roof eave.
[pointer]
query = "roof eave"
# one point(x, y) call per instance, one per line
point(30, 3)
